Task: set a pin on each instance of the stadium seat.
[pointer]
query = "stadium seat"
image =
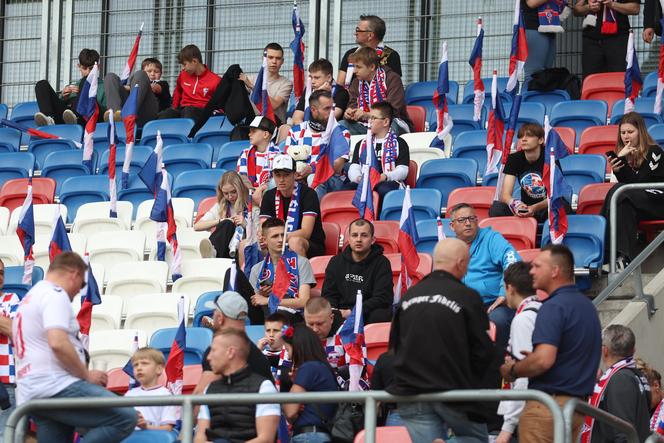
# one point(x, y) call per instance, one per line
point(118, 381)
point(579, 114)
point(143, 277)
point(15, 165)
point(255, 332)
point(657, 133)
point(151, 436)
point(582, 169)
point(78, 244)
point(421, 93)
point(197, 184)
point(411, 178)
point(426, 262)
point(200, 310)
point(60, 165)
point(24, 113)
point(204, 206)
point(95, 217)
point(136, 191)
point(418, 140)
point(229, 153)
point(479, 197)
point(183, 209)
point(548, 98)
point(598, 139)
point(109, 248)
point(189, 242)
point(173, 130)
point(71, 135)
point(332, 233)
point(13, 192)
point(102, 133)
point(427, 231)
point(606, 86)
point(198, 340)
point(187, 157)
point(568, 136)
point(387, 434)
point(10, 140)
point(529, 112)
point(418, 116)
point(591, 198)
point(649, 85)
point(43, 215)
point(11, 251)
point(643, 105)
point(319, 265)
point(14, 280)
point(191, 377)
point(4, 219)
point(377, 338)
point(585, 237)
point(462, 116)
point(202, 275)
point(425, 203)
point(139, 156)
point(386, 233)
point(107, 315)
point(338, 207)
point(421, 155)
point(114, 347)
point(469, 93)
point(216, 131)
point(651, 228)
point(150, 312)
point(447, 174)
point(471, 145)
point(75, 191)
point(529, 255)
point(519, 231)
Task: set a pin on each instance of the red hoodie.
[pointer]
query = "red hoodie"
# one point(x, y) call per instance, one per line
point(195, 90)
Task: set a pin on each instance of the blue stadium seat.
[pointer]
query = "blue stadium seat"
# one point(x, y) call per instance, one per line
point(582, 169)
point(14, 279)
point(10, 140)
point(229, 153)
point(447, 174)
point(187, 157)
point(427, 231)
point(529, 112)
point(462, 116)
point(151, 436)
point(197, 184)
point(24, 113)
point(657, 132)
point(421, 93)
point(4, 110)
point(60, 165)
point(216, 131)
point(548, 98)
point(472, 145)
point(71, 134)
point(492, 180)
point(426, 203)
point(136, 191)
point(198, 340)
point(649, 85)
point(101, 135)
point(469, 94)
point(255, 332)
point(585, 237)
point(643, 105)
point(173, 130)
point(15, 165)
point(579, 114)
point(139, 156)
point(201, 310)
point(76, 191)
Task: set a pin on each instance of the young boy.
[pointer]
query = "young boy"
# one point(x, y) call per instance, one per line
point(255, 162)
point(271, 344)
point(148, 366)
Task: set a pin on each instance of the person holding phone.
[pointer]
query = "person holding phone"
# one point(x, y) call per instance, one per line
point(637, 159)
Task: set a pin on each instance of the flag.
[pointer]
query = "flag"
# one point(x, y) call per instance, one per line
point(129, 367)
point(511, 127)
point(660, 75)
point(556, 187)
point(162, 213)
point(445, 123)
point(131, 61)
point(129, 111)
point(59, 240)
point(231, 283)
point(33, 132)
point(351, 334)
point(26, 233)
point(282, 431)
point(297, 46)
point(476, 63)
point(519, 52)
point(439, 229)
point(259, 95)
point(349, 75)
point(111, 168)
point(307, 94)
point(363, 199)
point(495, 129)
point(633, 80)
point(150, 173)
point(406, 241)
point(175, 364)
point(324, 164)
point(251, 251)
point(282, 277)
point(90, 298)
point(88, 108)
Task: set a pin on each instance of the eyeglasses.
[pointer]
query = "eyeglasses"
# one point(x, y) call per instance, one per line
point(358, 30)
point(464, 220)
point(373, 117)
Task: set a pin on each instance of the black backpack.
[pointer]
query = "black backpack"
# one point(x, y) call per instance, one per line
point(556, 78)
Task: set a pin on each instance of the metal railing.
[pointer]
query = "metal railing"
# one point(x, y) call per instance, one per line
point(577, 405)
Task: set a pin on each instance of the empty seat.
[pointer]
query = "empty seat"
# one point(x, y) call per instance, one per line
point(71, 137)
point(568, 136)
point(421, 155)
point(215, 132)
point(202, 275)
point(529, 112)
point(197, 184)
point(598, 139)
point(183, 209)
point(109, 248)
point(187, 157)
point(548, 98)
point(519, 231)
point(469, 93)
point(643, 105)
point(585, 237)
point(472, 145)
point(657, 132)
point(150, 312)
point(606, 86)
point(139, 156)
point(24, 113)
point(332, 233)
point(426, 203)
point(421, 93)
point(204, 206)
point(136, 191)
point(14, 280)
point(198, 340)
point(427, 233)
point(60, 165)
point(387, 434)
point(582, 169)
point(10, 140)
point(337, 207)
point(377, 338)
point(418, 140)
point(591, 198)
point(318, 265)
point(95, 217)
point(229, 153)
point(114, 347)
point(13, 192)
point(200, 308)
point(15, 165)
point(78, 244)
point(649, 85)
point(173, 131)
point(189, 242)
point(108, 314)
point(130, 278)
point(76, 191)
point(255, 332)
point(418, 116)
point(447, 174)
point(579, 114)
point(479, 197)
point(43, 217)
point(462, 116)
point(4, 219)
point(11, 251)
point(423, 269)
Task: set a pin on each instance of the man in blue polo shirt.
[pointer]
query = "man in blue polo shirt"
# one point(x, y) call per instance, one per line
point(567, 345)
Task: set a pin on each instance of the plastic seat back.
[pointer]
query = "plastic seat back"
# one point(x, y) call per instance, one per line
point(187, 157)
point(337, 207)
point(61, 165)
point(469, 87)
point(10, 140)
point(427, 232)
point(377, 338)
point(471, 145)
point(173, 130)
point(139, 156)
point(643, 105)
point(445, 175)
point(592, 197)
point(197, 342)
point(657, 133)
point(419, 92)
point(568, 136)
point(606, 86)
point(479, 197)
point(76, 191)
point(332, 233)
point(318, 265)
point(15, 165)
point(519, 231)
point(215, 132)
point(650, 85)
point(548, 98)
point(582, 169)
point(462, 116)
point(426, 203)
point(579, 114)
point(585, 237)
point(229, 154)
point(418, 116)
point(24, 113)
point(201, 310)
point(197, 184)
point(598, 139)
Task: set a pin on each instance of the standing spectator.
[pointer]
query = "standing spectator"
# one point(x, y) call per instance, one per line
point(320, 73)
point(638, 159)
point(566, 341)
point(652, 16)
point(441, 343)
point(51, 361)
point(8, 306)
point(605, 33)
point(369, 33)
point(381, 378)
point(622, 390)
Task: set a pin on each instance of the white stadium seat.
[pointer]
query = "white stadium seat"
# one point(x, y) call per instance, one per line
point(189, 242)
point(114, 347)
point(183, 207)
point(423, 140)
point(11, 251)
point(44, 215)
point(130, 278)
point(95, 217)
point(202, 275)
point(422, 155)
point(105, 316)
point(76, 241)
point(4, 219)
point(149, 312)
point(109, 248)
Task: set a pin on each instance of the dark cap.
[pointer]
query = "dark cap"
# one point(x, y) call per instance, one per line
point(263, 123)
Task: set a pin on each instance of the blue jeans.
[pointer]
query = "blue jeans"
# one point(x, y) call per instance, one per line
point(4, 415)
point(311, 437)
point(428, 421)
point(104, 425)
point(541, 53)
point(502, 317)
point(334, 183)
point(393, 418)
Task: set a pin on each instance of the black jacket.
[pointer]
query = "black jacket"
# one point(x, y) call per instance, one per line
point(373, 275)
point(652, 14)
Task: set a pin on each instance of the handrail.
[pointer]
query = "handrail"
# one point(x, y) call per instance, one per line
point(369, 398)
point(578, 405)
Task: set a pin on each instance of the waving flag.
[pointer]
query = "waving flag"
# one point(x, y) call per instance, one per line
point(439, 229)
point(307, 94)
point(259, 95)
point(90, 298)
point(297, 46)
point(330, 149)
point(507, 145)
point(519, 52)
point(282, 277)
point(162, 213)
point(476, 63)
point(131, 61)
point(633, 80)
point(151, 171)
point(251, 250)
point(556, 187)
point(363, 199)
point(59, 240)
point(111, 169)
point(351, 334)
point(88, 108)
point(283, 435)
point(129, 367)
point(495, 129)
point(33, 132)
point(175, 364)
point(26, 234)
point(660, 73)
point(445, 123)
point(129, 111)
point(406, 241)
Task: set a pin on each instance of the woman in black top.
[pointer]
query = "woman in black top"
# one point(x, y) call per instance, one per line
point(637, 159)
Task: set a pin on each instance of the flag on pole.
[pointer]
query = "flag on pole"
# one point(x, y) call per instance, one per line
point(406, 242)
point(26, 233)
point(439, 229)
point(351, 334)
point(660, 73)
point(283, 436)
point(259, 95)
point(284, 269)
point(90, 298)
point(476, 63)
point(633, 80)
point(59, 240)
point(349, 74)
point(88, 108)
point(33, 132)
point(519, 52)
point(556, 187)
point(363, 199)
point(129, 111)
point(251, 250)
point(297, 46)
point(507, 145)
point(162, 213)
point(495, 129)
point(445, 123)
point(131, 61)
point(175, 364)
point(307, 94)
point(331, 146)
point(150, 173)
point(111, 168)
point(129, 367)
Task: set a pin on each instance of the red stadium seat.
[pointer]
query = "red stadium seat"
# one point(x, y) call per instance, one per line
point(332, 233)
point(387, 434)
point(528, 254)
point(386, 233)
point(338, 207)
point(598, 139)
point(377, 338)
point(651, 228)
point(13, 192)
point(417, 115)
point(318, 265)
point(412, 174)
point(118, 381)
point(204, 206)
point(591, 198)
point(519, 231)
point(607, 86)
point(426, 264)
point(191, 377)
point(568, 135)
point(479, 197)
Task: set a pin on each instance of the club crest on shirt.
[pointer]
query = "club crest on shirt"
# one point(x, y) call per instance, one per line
point(533, 185)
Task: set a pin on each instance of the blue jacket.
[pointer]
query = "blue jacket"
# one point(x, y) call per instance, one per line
point(490, 255)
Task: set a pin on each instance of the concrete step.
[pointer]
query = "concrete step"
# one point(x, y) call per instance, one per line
point(608, 310)
point(626, 290)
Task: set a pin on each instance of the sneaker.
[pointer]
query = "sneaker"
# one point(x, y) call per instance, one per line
point(106, 114)
point(42, 119)
point(621, 264)
point(117, 116)
point(207, 249)
point(69, 117)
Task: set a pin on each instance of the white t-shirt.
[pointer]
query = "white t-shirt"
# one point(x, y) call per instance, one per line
point(155, 415)
point(39, 374)
point(262, 410)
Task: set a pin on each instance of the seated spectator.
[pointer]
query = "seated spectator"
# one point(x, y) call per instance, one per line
point(369, 33)
point(310, 133)
point(59, 108)
point(652, 16)
point(297, 204)
point(656, 400)
point(637, 160)
point(374, 84)
point(255, 162)
point(362, 266)
point(490, 255)
point(148, 364)
point(271, 344)
point(300, 275)
point(233, 423)
point(153, 93)
point(318, 316)
point(194, 87)
point(278, 87)
point(311, 422)
point(320, 73)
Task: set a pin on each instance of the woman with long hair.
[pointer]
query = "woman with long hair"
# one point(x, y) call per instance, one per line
point(637, 159)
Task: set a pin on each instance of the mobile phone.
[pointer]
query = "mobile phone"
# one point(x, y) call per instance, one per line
point(611, 154)
point(522, 210)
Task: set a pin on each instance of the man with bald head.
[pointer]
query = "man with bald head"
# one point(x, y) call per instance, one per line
point(441, 343)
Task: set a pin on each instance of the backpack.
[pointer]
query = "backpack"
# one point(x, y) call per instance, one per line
point(556, 78)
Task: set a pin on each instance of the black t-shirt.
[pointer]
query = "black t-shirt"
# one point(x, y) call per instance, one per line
point(403, 154)
point(530, 18)
point(529, 176)
point(165, 97)
point(256, 361)
point(595, 32)
point(341, 98)
point(389, 58)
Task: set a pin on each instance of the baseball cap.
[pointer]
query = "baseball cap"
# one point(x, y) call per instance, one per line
point(231, 304)
point(263, 123)
point(283, 162)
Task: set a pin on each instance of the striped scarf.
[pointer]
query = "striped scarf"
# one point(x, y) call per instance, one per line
point(609, 22)
point(657, 419)
point(292, 217)
point(372, 92)
point(389, 152)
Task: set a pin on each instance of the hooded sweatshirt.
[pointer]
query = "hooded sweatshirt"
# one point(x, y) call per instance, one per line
point(373, 275)
point(194, 90)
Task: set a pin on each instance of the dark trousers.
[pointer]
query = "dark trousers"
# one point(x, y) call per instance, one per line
point(377, 315)
point(604, 55)
point(191, 112)
point(221, 237)
point(500, 209)
point(147, 105)
point(50, 104)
